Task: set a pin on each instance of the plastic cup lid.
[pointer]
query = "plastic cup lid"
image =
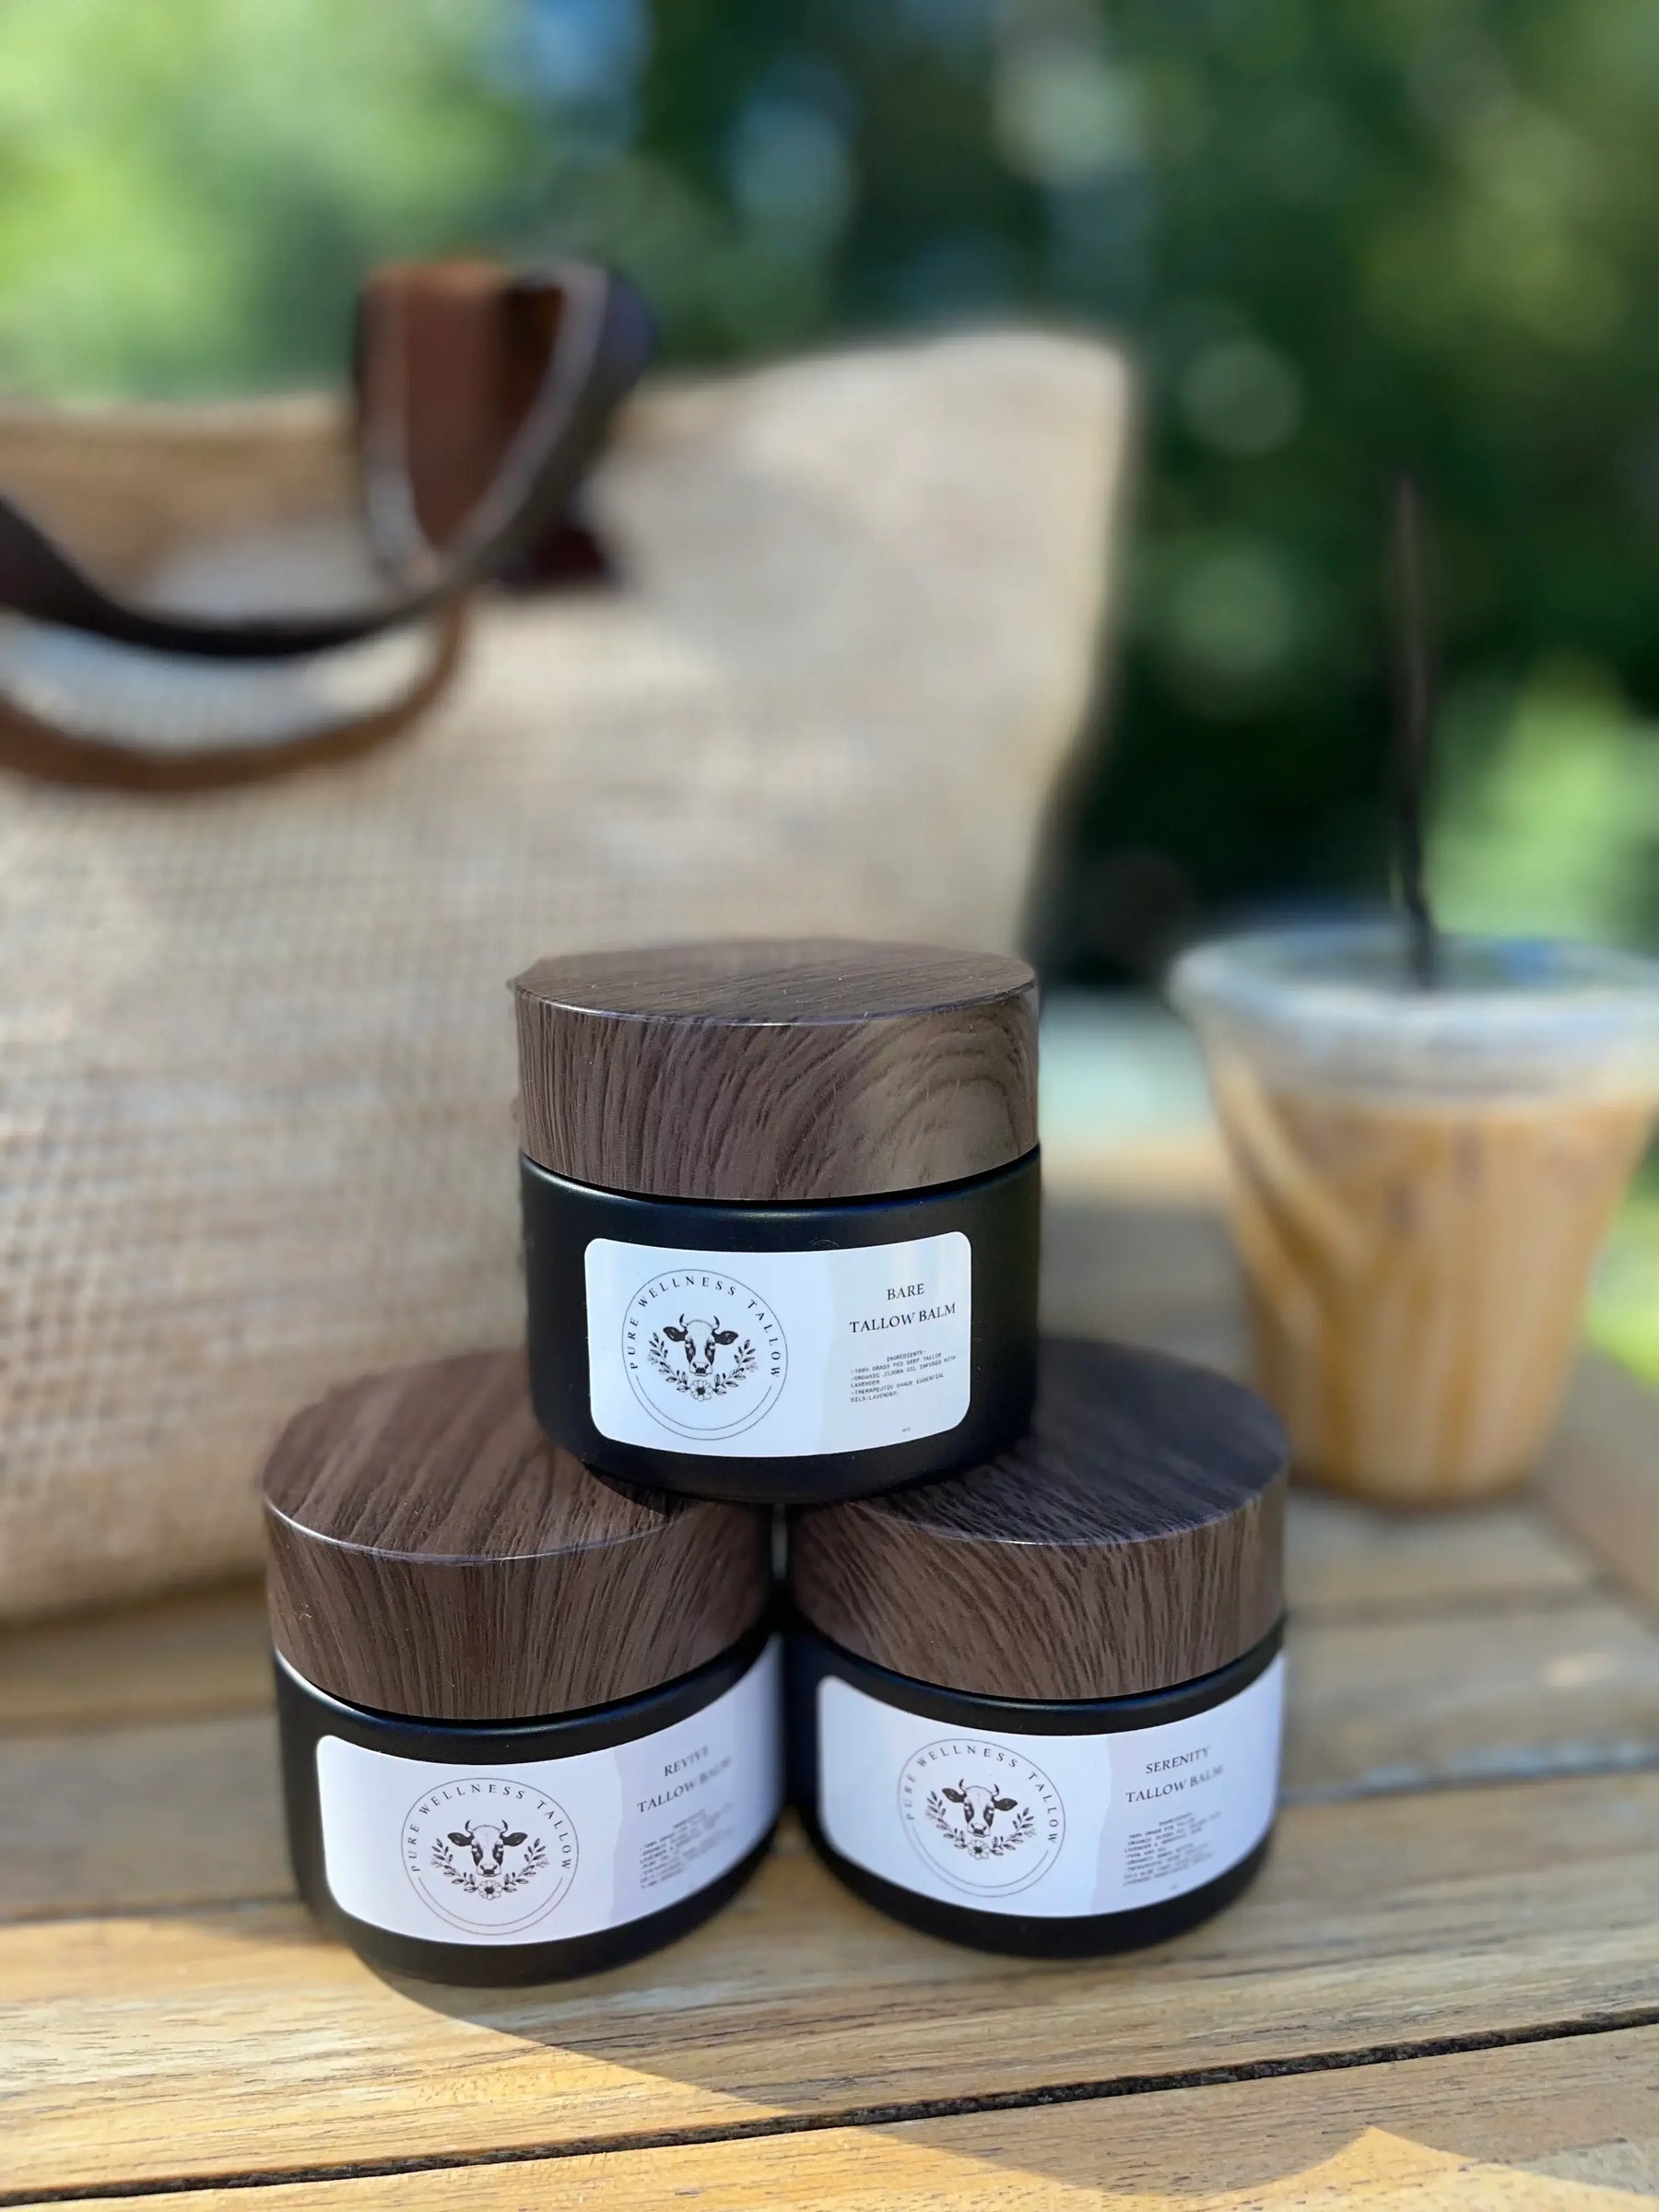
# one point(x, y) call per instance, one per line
point(1338, 1004)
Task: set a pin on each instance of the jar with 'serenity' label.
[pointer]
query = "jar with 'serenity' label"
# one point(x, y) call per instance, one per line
point(1037, 1707)
point(780, 1212)
point(530, 1721)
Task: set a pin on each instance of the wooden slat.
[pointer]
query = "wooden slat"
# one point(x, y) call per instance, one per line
point(1161, 1272)
point(210, 1654)
point(1542, 2127)
point(1163, 1275)
point(1153, 1276)
point(238, 2042)
point(1401, 1705)
point(195, 2034)
point(206, 1653)
point(137, 1819)
point(1342, 1556)
point(1601, 1479)
point(1592, 1513)
point(1348, 1560)
point(129, 1819)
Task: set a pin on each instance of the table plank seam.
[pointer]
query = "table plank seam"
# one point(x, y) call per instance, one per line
point(1602, 1574)
point(871, 2116)
point(93, 1721)
point(171, 1909)
point(1598, 1590)
point(1480, 1604)
point(1557, 1765)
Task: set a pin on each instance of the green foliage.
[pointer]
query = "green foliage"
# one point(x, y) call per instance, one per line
point(1343, 236)
point(1553, 825)
point(191, 193)
point(1624, 1308)
point(1404, 236)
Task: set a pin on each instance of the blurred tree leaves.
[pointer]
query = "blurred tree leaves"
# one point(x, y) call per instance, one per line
point(189, 194)
point(1342, 235)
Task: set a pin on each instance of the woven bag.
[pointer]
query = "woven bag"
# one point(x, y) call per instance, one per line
point(255, 1047)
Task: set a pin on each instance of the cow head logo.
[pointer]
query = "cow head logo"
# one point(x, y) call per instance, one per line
point(984, 1816)
point(503, 1859)
point(702, 1359)
point(974, 1818)
point(487, 1853)
point(703, 1354)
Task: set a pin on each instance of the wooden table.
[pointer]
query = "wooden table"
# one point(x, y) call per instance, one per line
point(1444, 1987)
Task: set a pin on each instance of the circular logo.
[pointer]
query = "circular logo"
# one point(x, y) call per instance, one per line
point(703, 1355)
point(982, 1815)
point(488, 1854)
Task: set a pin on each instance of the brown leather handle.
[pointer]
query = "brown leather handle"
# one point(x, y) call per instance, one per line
point(579, 337)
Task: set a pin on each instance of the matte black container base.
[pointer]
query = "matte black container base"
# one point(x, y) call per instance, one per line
point(305, 1714)
point(1031, 1936)
point(517, 1965)
point(999, 1214)
point(810, 1657)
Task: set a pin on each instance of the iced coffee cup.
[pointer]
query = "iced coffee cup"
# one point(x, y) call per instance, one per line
point(1421, 1180)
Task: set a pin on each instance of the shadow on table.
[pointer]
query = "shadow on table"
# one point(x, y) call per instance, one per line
point(867, 2018)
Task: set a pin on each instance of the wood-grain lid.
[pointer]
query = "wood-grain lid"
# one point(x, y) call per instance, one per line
point(431, 1554)
point(777, 1071)
point(1132, 1541)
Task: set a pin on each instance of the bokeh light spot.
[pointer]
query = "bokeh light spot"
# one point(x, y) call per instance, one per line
point(1241, 396)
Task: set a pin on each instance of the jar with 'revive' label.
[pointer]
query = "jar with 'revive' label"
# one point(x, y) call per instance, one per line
point(1037, 1707)
point(780, 1212)
point(530, 1721)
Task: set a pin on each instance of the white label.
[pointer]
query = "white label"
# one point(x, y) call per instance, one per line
point(472, 1852)
point(1055, 1825)
point(777, 1355)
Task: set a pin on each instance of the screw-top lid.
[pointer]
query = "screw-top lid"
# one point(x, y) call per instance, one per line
point(777, 1071)
point(432, 1555)
point(1133, 1541)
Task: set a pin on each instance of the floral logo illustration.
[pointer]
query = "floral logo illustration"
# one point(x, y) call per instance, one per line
point(488, 1844)
point(703, 1353)
point(488, 1854)
point(701, 1358)
point(983, 1817)
point(967, 1817)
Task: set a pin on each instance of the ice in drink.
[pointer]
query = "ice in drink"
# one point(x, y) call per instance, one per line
point(1421, 1179)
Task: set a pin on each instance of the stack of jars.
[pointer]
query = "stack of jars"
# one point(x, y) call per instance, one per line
point(785, 1496)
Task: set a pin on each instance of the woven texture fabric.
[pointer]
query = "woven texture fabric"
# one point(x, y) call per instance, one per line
point(255, 1046)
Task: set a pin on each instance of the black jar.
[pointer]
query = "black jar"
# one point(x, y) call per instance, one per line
point(780, 1207)
point(1037, 1708)
point(530, 1721)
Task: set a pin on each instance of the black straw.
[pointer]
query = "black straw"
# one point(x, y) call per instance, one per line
point(1416, 720)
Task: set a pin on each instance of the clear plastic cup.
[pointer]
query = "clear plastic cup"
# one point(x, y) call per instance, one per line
point(1421, 1182)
